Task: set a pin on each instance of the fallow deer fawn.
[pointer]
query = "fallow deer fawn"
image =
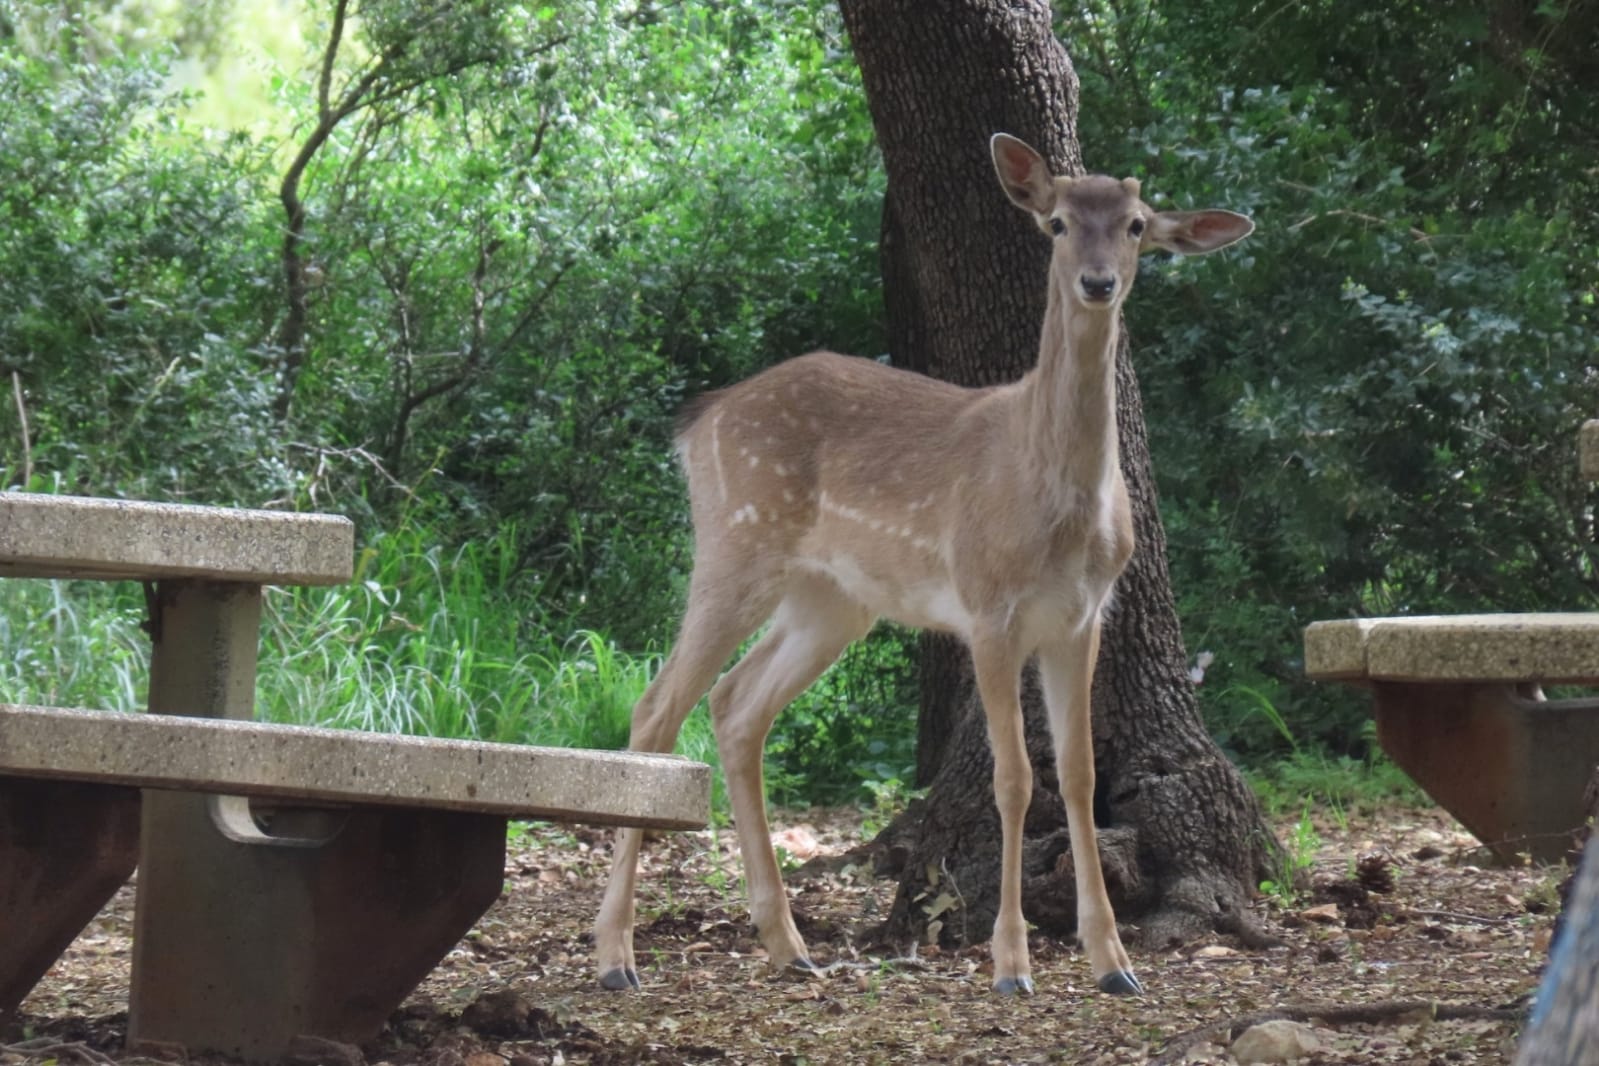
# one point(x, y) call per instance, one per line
point(829, 491)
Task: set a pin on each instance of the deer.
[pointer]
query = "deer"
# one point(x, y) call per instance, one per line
point(829, 491)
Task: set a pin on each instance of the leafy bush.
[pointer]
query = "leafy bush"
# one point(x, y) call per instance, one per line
point(1370, 407)
point(132, 272)
point(526, 236)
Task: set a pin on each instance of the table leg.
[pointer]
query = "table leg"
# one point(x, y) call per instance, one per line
point(1512, 768)
point(246, 941)
point(65, 848)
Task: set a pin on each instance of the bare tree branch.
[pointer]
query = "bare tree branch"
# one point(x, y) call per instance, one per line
point(22, 420)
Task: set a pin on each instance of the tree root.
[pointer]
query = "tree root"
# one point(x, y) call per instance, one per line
point(1334, 1014)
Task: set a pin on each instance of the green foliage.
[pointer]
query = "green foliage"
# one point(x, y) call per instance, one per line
point(1294, 860)
point(528, 234)
point(76, 645)
point(525, 239)
point(851, 735)
point(1333, 782)
point(1370, 406)
point(129, 265)
point(530, 231)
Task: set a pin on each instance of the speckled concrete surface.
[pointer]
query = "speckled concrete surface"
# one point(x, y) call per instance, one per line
point(77, 536)
point(1488, 647)
point(335, 766)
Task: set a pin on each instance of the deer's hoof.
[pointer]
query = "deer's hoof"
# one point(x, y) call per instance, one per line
point(1121, 983)
point(803, 969)
point(620, 980)
point(1014, 986)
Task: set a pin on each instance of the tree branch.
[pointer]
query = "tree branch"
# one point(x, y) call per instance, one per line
point(22, 420)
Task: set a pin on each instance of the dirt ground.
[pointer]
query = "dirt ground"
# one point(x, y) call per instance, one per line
point(520, 989)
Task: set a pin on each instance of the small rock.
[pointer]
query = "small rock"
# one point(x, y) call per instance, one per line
point(501, 1013)
point(1215, 951)
point(1274, 1041)
point(798, 841)
point(318, 1051)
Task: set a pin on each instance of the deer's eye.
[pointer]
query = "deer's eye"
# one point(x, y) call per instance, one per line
point(1136, 229)
point(1057, 226)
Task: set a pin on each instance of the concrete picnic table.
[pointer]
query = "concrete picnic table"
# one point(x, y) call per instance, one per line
point(291, 881)
point(1461, 707)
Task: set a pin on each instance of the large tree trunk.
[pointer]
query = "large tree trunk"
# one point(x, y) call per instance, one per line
point(964, 284)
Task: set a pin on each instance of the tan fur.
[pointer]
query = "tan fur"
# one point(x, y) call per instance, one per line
point(830, 491)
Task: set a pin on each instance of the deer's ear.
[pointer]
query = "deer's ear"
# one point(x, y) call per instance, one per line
point(1197, 232)
point(1023, 174)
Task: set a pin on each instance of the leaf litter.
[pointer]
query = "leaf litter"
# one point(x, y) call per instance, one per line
point(1407, 947)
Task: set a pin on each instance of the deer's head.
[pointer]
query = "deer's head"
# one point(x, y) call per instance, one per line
point(1100, 225)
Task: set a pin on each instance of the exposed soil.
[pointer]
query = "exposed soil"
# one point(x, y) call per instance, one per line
point(1449, 929)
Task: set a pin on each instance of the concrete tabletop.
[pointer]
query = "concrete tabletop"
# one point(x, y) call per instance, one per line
point(1482, 647)
point(84, 537)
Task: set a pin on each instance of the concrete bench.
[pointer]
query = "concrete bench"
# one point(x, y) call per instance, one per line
point(1460, 708)
point(291, 881)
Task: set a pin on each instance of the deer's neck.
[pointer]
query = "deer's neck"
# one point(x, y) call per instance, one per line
point(1070, 408)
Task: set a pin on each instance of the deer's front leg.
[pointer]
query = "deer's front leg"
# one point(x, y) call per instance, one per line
point(998, 671)
point(1067, 672)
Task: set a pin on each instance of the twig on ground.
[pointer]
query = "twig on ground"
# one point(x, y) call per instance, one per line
point(1451, 916)
point(899, 962)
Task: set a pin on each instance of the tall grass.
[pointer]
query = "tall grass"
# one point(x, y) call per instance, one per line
point(422, 641)
point(73, 644)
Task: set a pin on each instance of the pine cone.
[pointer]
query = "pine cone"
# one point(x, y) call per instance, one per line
point(1375, 872)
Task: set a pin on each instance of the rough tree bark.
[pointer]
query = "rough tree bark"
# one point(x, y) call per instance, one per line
point(1564, 1030)
point(964, 286)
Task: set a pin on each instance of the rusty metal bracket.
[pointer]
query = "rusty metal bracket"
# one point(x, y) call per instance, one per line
point(1507, 763)
point(65, 848)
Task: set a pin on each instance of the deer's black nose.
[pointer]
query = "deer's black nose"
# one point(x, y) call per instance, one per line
point(1098, 290)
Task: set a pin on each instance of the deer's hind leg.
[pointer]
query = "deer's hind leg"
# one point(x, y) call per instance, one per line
point(814, 623)
point(722, 611)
